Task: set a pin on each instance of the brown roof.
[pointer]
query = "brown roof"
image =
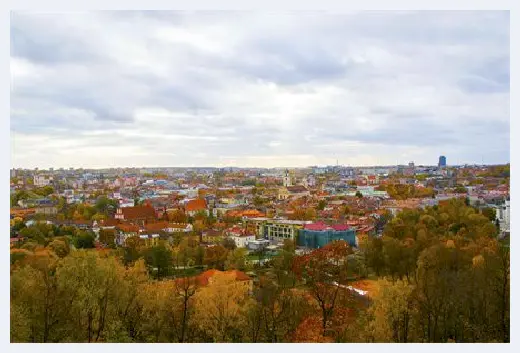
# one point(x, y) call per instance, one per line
point(195, 205)
point(297, 188)
point(109, 222)
point(138, 212)
point(127, 228)
point(156, 226)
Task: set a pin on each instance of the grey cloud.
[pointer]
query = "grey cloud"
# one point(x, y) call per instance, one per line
point(329, 72)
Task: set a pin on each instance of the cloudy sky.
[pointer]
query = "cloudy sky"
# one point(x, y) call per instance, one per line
point(259, 89)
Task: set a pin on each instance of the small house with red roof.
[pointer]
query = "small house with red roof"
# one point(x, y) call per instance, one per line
point(240, 236)
point(194, 206)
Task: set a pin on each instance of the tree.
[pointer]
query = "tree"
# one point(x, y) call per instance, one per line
point(490, 213)
point(392, 312)
point(84, 241)
point(325, 273)
point(321, 205)
point(107, 236)
point(215, 256)
point(185, 289)
point(60, 247)
point(228, 243)
point(220, 308)
point(93, 284)
point(159, 260)
point(236, 259)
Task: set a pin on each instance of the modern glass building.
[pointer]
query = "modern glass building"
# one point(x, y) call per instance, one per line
point(317, 235)
point(442, 161)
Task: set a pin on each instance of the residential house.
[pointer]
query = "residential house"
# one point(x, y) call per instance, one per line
point(239, 236)
point(194, 206)
point(136, 214)
point(125, 231)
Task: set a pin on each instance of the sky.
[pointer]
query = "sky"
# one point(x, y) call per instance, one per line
point(258, 89)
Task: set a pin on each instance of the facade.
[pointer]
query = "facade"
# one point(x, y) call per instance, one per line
point(257, 244)
point(241, 241)
point(47, 210)
point(240, 236)
point(42, 180)
point(277, 229)
point(287, 179)
point(503, 215)
point(317, 235)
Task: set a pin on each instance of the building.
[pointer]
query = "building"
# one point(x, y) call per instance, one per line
point(240, 236)
point(503, 215)
point(258, 244)
point(298, 191)
point(42, 180)
point(287, 179)
point(139, 214)
point(317, 235)
point(442, 162)
point(277, 229)
point(194, 206)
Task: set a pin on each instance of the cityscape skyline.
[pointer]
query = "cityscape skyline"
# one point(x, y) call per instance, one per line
point(254, 89)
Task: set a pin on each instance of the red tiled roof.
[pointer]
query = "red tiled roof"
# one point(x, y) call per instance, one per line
point(138, 212)
point(195, 205)
point(340, 227)
point(156, 226)
point(320, 226)
point(316, 226)
point(128, 228)
point(109, 222)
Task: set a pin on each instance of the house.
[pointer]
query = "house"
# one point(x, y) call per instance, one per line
point(126, 231)
point(42, 180)
point(150, 239)
point(240, 236)
point(283, 194)
point(298, 191)
point(166, 227)
point(194, 206)
point(138, 214)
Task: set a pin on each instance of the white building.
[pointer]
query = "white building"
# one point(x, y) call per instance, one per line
point(240, 237)
point(42, 180)
point(503, 215)
point(241, 241)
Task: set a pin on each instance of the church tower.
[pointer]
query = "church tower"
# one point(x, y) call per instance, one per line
point(287, 179)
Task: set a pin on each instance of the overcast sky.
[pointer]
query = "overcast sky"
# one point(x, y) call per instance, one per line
point(258, 89)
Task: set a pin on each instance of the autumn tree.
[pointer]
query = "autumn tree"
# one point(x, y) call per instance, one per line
point(324, 272)
point(220, 308)
point(215, 256)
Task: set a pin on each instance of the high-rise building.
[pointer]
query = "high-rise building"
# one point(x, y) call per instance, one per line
point(442, 162)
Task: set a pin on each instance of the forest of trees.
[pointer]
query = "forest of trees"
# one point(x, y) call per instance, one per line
point(440, 275)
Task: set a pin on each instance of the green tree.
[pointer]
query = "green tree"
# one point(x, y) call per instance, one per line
point(159, 260)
